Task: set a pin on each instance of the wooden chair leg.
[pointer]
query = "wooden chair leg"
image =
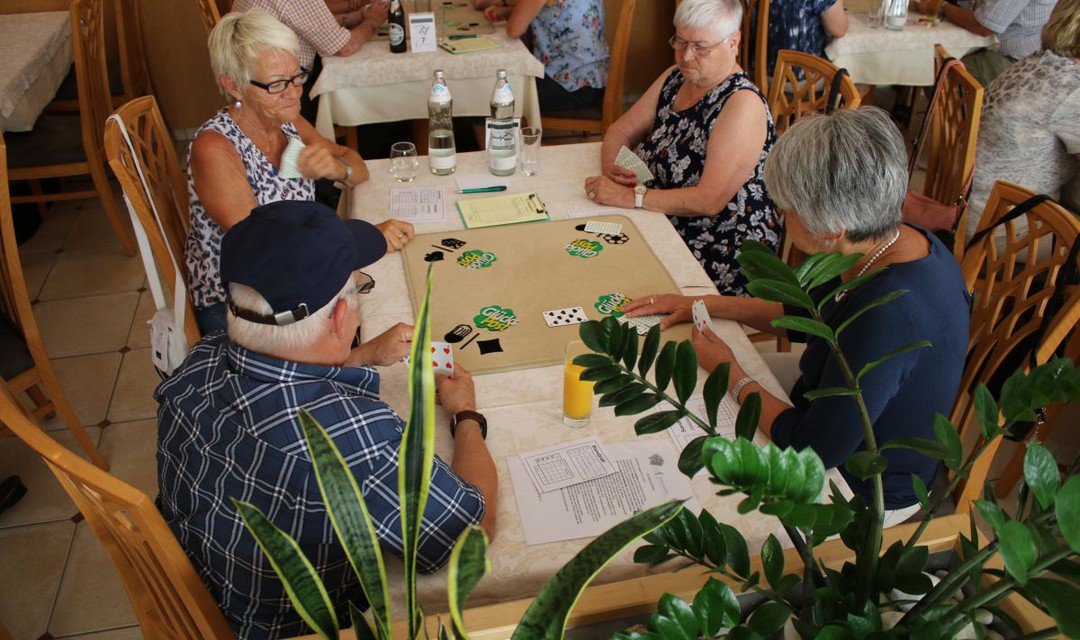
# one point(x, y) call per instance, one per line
point(40, 399)
point(39, 193)
point(112, 211)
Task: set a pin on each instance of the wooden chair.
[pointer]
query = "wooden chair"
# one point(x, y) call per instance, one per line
point(1012, 285)
point(53, 148)
point(791, 97)
point(156, 156)
point(166, 592)
point(598, 119)
point(210, 13)
point(755, 20)
point(953, 131)
point(24, 362)
point(133, 69)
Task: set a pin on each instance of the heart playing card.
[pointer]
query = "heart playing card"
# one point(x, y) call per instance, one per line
point(442, 358)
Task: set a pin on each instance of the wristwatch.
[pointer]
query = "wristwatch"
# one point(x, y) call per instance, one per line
point(639, 196)
point(468, 415)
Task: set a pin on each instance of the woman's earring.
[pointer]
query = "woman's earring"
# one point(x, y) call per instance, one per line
point(238, 104)
point(829, 242)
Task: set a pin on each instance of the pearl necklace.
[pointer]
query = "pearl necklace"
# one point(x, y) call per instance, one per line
point(885, 247)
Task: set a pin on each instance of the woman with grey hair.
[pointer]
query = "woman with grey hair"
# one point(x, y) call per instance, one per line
point(241, 158)
point(704, 131)
point(840, 181)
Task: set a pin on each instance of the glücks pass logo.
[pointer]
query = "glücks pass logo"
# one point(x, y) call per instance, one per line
point(611, 304)
point(583, 248)
point(476, 259)
point(495, 318)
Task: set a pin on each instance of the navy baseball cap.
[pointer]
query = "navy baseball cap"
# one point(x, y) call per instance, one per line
point(298, 255)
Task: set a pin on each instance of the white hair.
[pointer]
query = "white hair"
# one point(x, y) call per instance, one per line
point(723, 17)
point(237, 42)
point(271, 339)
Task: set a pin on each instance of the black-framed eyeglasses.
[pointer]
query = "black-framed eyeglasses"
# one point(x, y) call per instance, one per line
point(700, 49)
point(281, 86)
point(365, 284)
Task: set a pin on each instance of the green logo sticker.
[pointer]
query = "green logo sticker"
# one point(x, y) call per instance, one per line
point(476, 259)
point(495, 318)
point(611, 304)
point(583, 248)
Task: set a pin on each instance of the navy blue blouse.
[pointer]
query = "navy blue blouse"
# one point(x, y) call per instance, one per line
point(796, 25)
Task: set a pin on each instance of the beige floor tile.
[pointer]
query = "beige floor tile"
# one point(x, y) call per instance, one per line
point(93, 324)
point(32, 563)
point(54, 229)
point(91, 596)
point(140, 331)
point(133, 396)
point(91, 229)
point(91, 272)
point(88, 383)
point(130, 448)
point(36, 268)
point(45, 499)
point(126, 633)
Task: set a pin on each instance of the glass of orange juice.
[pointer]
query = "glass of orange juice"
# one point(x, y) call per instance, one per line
point(577, 393)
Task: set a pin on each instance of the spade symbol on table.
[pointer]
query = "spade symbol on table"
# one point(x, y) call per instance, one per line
point(434, 256)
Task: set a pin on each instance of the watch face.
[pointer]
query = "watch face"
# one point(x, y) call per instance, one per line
point(639, 190)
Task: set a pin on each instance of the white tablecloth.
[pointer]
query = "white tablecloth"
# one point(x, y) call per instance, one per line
point(35, 55)
point(905, 57)
point(524, 407)
point(374, 85)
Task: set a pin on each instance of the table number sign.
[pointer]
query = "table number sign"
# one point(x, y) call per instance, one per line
point(422, 32)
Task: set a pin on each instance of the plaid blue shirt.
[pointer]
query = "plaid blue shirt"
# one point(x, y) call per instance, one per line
point(1017, 23)
point(227, 429)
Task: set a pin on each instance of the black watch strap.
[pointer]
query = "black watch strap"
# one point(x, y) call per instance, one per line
point(468, 415)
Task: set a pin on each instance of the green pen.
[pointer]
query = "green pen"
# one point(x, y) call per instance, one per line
point(462, 36)
point(483, 189)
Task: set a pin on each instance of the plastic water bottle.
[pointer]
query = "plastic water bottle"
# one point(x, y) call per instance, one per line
point(442, 153)
point(502, 146)
point(895, 14)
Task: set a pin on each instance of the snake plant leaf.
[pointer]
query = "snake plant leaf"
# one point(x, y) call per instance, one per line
point(772, 560)
point(361, 627)
point(1041, 474)
point(1067, 510)
point(746, 421)
point(1060, 600)
point(349, 516)
point(649, 349)
point(301, 582)
point(545, 619)
point(686, 368)
point(417, 454)
point(468, 564)
point(713, 392)
point(870, 366)
point(774, 291)
point(665, 366)
point(806, 325)
point(657, 422)
point(885, 299)
point(1017, 550)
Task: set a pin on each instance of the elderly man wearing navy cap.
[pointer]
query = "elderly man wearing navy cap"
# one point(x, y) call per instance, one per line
point(227, 425)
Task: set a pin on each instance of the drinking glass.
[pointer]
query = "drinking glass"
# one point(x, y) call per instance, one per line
point(403, 161)
point(530, 150)
point(931, 9)
point(577, 393)
point(873, 16)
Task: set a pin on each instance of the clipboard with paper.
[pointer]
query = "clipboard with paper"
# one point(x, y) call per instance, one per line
point(509, 209)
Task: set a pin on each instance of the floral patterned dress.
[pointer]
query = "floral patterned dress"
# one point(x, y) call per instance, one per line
point(202, 250)
point(568, 37)
point(796, 25)
point(675, 152)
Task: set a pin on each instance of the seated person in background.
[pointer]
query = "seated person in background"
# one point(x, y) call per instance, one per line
point(1030, 129)
point(235, 160)
point(352, 13)
point(804, 25)
point(1016, 23)
point(227, 420)
point(840, 181)
point(704, 130)
point(568, 37)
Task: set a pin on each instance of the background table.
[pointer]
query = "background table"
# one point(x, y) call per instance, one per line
point(35, 56)
point(905, 57)
point(523, 407)
point(374, 85)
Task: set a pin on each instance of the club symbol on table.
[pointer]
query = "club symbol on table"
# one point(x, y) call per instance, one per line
point(458, 333)
point(621, 238)
point(489, 346)
point(453, 243)
point(434, 256)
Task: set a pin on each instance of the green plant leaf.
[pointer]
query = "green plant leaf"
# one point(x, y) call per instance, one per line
point(1060, 600)
point(853, 284)
point(806, 325)
point(766, 265)
point(665, 366)
point(987, 410)
point(746, 421)
point(361, 627)
point(911, 346)
point(829, 392)
point(1041, 474)
point(992, 513)
point(602, 373)
point(588, 360)
point(885, 299)
point(782, 292)
point(615, 336)
point(298, 576)
point(716, 606)
point(680, 611)
point(657, 422)
point(629, 391)
point(913, 560)
point(468, 564)
point(1067, 510)
point(649, 349)
point(1017, 550)
point(604, 387)
point(545, 619)
point(714, 390)
point(835, 632)
point(948, 435)
point(712, 539)
point(690, 461)
point(831, 266)
point(738, 555)
point(652, 555)
point(769, 618)
point(925, 446)
point(686, 368)
point(630, 350)
point(772, 560)
point(863, 464)
point(349, 516)
point(590, 334)
point(636, 405)
point(921, 493)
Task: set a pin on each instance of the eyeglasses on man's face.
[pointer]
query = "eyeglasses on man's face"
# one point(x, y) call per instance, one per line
point(364, 283)
point(699, 49)
point(280, 86)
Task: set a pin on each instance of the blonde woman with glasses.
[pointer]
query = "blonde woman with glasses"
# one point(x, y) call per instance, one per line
point(704, 130)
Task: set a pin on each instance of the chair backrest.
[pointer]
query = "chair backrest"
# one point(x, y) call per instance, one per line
point(155, 153)
point(211, 15)
point(753, 51)
point(166, 592)
point(791, 97)
point(1012, 280)
point(133, 71)
point(95, 99)
point(616, 80)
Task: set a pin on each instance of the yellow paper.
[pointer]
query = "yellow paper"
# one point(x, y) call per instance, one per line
point(510, 209)
point(468, 45)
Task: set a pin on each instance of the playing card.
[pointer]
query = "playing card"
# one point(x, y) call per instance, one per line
point(289, 157)
point(701, 317)
point(560, 317)
point(642, 323)
point(609, 228)
point(627, 159)
point(442, 358)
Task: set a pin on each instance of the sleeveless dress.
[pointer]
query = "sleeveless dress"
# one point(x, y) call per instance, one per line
point(675, 150)
point(202, 250)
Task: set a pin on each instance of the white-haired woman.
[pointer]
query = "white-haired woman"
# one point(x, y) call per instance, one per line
point(704, 130)
point(235, 162)
point(840, 181)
